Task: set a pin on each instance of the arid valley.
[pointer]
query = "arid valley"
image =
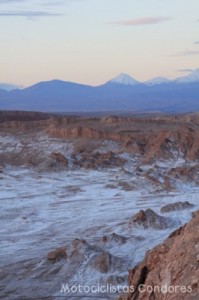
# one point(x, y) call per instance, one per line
point(84, 198)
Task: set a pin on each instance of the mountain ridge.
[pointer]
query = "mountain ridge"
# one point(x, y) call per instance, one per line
point(119, 94)
point(122, 79)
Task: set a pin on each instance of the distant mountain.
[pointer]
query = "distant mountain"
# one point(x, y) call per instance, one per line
point(121, 93)
point(7, 86)
point(193, 77)
point(124, 79)
point(156, 81)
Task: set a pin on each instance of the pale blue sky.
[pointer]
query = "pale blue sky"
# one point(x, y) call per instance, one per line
point(91, 41)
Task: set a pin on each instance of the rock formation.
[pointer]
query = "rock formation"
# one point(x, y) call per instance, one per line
point(114, 238)
point(56, 255)
point(105, 262)
point(160, 137)
point(149, 219)
point(176, 206)
point(60, 158)
point(171, 269)
point(98, 160)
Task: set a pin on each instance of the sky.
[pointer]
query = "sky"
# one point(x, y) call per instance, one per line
point(92, 41)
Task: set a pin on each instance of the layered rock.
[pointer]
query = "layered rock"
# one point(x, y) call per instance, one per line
point(60, 158)
point(57, 254)
point(170, 270)
point(105, 262)
point(56, 161)
point(114, 238)
point(98, 160)
point(185, 173)
point(151, 138)
point(79, 251)
point(149, 219)
point(176, 206)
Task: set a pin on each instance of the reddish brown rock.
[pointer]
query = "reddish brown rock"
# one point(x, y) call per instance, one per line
point(149, 219)
point(124, 185)
point(98, 160)
point(115, 238)
point(105, 261)
point(76, 243)
point(152, 138)
point(58, 254)
point(185, 173)
point(102, 262)
point(171, 270)
point(59, 158)
point(79, 248)
point(176, 206)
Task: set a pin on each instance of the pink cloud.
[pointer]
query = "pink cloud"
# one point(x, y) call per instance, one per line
point(142, 21)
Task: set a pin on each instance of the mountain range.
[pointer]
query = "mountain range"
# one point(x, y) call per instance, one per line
point(8, 87)
point(122, 93)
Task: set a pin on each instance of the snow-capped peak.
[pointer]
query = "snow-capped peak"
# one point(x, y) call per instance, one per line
point(156, 81)
point(8, 87)
point(193, 77)
point(124, 79)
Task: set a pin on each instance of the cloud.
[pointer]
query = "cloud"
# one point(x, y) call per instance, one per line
point(47, 2)
point(10, 1)
point(186, 70)
point(142, 21)
point(196, 42)
point(186, 53)
point(33, 2)
point(29, 14)
point(30, 8)
point(191, 71)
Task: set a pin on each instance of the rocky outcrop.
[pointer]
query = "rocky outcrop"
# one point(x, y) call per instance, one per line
point(149, 219)
point(114, 238)
point(170, 270)
point(57, 254)
point(104, 262)
point(176, 206)
point(60, 158)
point(151, 138)
point(108, 242)
point(1, 168)
point(125, 186)
point(55, 162)
point(79, 251)
point(185, 173)
point(98, 160)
